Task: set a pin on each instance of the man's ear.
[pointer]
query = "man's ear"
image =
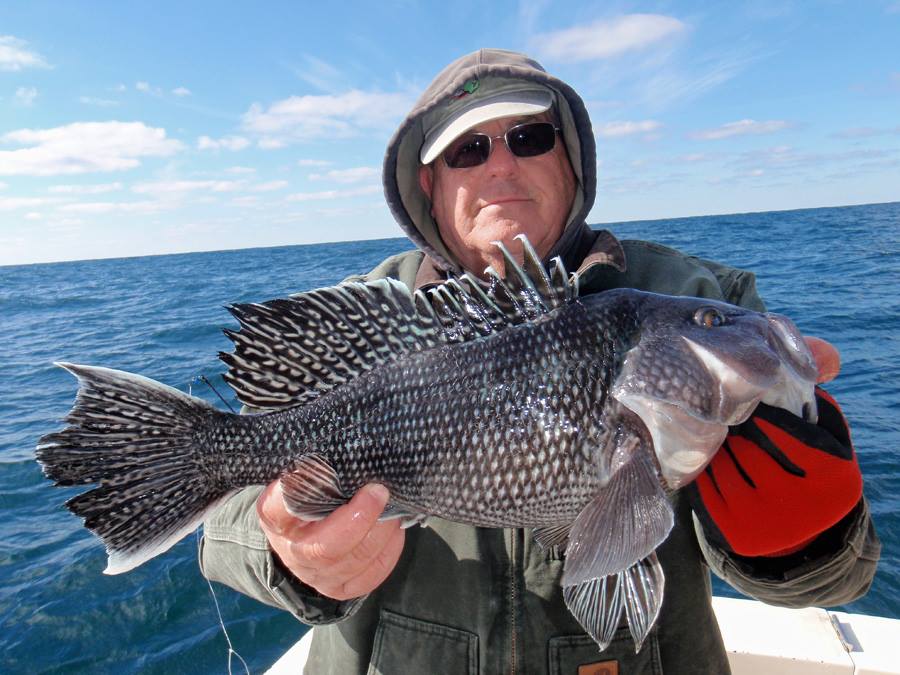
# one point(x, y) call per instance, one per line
point(426, 179)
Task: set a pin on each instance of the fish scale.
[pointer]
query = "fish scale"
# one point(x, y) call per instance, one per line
point(520, 406)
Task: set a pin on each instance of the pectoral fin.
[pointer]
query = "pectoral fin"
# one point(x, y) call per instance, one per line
point(407, 518)
point(624, 523)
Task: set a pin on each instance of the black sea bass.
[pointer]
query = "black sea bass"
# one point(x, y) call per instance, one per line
point(521, 406)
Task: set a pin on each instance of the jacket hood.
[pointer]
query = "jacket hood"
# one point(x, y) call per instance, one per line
point(484, 68)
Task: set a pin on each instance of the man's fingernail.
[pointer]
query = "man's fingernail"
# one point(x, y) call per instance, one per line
point(379, 492)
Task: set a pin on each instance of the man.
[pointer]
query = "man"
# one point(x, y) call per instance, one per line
point(497, 147)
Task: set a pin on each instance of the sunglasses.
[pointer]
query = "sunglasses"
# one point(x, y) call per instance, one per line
point(523, 140)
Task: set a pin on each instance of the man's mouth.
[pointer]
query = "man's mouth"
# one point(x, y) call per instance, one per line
point(505, 200)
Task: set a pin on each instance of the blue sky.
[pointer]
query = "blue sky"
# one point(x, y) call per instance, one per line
point(133, 128)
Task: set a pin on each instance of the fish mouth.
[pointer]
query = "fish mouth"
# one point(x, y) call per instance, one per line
point(797, 372)
point(688, 392)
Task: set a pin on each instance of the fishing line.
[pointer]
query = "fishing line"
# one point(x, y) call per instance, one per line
point(209, 384)
point(212, 592)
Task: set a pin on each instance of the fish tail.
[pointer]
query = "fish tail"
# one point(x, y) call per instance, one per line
point(140, 441)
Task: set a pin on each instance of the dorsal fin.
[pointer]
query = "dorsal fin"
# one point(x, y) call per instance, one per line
point(525, 293)
point(290, 351)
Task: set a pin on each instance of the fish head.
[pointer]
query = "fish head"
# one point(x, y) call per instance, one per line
point(694, 367)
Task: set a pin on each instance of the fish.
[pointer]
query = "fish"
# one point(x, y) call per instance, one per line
point(518, 403)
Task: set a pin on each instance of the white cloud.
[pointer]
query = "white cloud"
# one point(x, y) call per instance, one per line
point(99, 102)
point(673, 83)
point(333, 194)
point(270, 186)
point(354, 175)
point(301, 118)
point(83, 147)
point(313, 162)
point(97, 189)
point(319, 74)
point(617, 129)
point(3, 185)
point(246, 202)
point(147, 88)
point(240, 170)
point(99, 208)
point(33, 215)
point(608, 38)
point(181, 91)
point(866, 132)
point(15, 203)
point(272, 143)
point(741, 128)
point(695, 157)
point(232, 143)
point(15, 55)
point(178, 187)
point(26, 95)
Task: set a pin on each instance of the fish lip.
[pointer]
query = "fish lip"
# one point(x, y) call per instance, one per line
point(797, 371)
point(792, 347)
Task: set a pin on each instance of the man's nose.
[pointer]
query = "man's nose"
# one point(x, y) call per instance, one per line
point(501, 161)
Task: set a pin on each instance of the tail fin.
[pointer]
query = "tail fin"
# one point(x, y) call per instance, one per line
point(135, 438)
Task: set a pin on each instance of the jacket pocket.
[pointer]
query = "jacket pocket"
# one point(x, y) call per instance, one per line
point(404, 645)
point(578, 655)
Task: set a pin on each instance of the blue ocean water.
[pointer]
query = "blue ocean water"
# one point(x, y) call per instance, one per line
point(835, 271)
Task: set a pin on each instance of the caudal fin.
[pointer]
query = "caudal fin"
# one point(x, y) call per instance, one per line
point(136, 439)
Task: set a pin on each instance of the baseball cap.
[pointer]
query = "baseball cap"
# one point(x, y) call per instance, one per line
point(480, 102)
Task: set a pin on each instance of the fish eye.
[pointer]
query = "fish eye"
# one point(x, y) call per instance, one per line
point(709, 317)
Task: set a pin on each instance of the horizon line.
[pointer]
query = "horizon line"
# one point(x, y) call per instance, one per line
point(403, 236)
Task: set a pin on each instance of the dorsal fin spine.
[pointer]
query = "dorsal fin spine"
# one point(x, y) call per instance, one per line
point(290, 351)
point(534, 270)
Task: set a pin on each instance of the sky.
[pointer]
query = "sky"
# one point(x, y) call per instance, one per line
point(138, 128)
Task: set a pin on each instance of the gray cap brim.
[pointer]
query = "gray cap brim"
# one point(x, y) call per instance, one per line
point(509, 103)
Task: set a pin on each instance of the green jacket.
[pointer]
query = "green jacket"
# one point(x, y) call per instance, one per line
point(476, 600)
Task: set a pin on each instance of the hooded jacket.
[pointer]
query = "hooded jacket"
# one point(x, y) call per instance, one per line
point(476, 600)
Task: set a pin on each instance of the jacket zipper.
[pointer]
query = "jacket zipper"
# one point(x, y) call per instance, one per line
point(514, 535)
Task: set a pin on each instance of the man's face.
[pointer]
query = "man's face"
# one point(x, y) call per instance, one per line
point(497, 200)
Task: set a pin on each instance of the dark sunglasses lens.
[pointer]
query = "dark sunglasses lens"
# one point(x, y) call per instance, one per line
point(529, 140)
point(468, 151)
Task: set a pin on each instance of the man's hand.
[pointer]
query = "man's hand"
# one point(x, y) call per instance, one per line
point(779, 482)
point(344, 556)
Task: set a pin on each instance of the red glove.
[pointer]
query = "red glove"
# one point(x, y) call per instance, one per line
point(778, 482)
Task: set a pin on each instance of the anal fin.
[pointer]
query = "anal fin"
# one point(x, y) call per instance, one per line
point(598, 604)
point(312, 490)
point(644, 585)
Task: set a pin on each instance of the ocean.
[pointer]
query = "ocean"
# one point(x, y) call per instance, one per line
point(835, 271)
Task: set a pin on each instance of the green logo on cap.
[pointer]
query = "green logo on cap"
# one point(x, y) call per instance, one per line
point(469, 87)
